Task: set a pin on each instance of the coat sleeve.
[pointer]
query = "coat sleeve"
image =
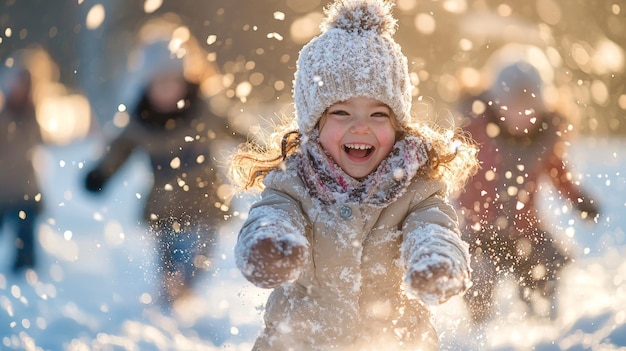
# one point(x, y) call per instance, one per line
point(116, 155)
point(562, 181)
point(432, 248)
point(278, 217)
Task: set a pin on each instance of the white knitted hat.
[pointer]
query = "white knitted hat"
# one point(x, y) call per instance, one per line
point(355, 56)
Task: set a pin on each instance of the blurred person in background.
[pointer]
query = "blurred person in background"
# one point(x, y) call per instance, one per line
point(20, 195)
point(522, 138)
point(171, 122)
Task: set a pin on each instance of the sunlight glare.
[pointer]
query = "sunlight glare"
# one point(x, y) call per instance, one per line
point(64, 118)
point(149, 6)
point(425, 23)
point(95, 16)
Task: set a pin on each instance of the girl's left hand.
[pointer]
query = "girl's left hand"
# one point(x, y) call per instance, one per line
point(436, 279)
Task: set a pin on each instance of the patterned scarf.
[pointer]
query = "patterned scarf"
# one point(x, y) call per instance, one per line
point(326, 181)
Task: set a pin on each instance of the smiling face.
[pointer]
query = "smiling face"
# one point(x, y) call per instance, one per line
point(358, 134)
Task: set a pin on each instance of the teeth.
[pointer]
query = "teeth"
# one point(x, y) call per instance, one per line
point(359, 146)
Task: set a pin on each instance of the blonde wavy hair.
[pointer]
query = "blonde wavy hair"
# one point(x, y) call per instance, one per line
point(452, 154)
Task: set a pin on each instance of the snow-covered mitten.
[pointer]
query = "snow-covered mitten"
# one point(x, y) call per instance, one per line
point(435, 279)
point(275, 260)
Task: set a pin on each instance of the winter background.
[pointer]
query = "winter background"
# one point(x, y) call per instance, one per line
point(95, 283)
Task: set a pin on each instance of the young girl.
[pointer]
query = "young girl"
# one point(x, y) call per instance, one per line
point(353, 230)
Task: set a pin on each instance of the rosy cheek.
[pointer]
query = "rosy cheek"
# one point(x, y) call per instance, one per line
point(327, 143)
point(388, 139)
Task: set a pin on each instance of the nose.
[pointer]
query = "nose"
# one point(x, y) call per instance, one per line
point(360, 126)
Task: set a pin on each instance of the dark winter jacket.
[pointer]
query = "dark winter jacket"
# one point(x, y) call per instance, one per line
point(19, 136)
point(178, 145)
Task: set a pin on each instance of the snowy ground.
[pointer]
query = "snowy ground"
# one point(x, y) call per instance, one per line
point(94, 286)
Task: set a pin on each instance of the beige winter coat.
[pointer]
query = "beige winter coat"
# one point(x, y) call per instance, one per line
point(351, 295)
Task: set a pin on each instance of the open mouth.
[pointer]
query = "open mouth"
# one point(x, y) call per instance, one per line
point(358, 150)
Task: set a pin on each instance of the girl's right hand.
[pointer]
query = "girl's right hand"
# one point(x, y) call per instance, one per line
point(275, 261)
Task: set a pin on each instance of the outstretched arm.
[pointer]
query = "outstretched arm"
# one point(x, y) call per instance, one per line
point(562, 180)
point(272, 248)
point(118, 152)
point(437, 260)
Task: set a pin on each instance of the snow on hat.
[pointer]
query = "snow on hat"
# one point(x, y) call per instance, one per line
point(355, 56)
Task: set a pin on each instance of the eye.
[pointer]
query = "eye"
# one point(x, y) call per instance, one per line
point(381, 114)
point(338, 112)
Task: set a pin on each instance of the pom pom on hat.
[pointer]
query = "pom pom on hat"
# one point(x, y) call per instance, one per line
point(357, 16)
point(355, 56)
